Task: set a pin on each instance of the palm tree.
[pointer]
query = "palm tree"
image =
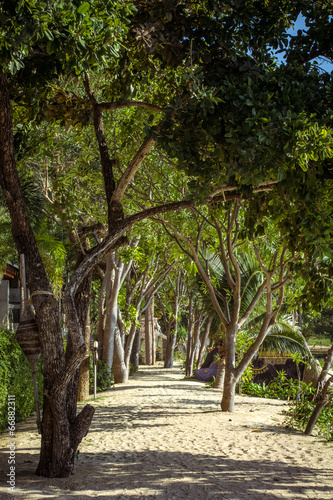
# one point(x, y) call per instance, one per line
point(282, 337)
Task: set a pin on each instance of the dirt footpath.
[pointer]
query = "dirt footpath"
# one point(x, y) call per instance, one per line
point(162, 437)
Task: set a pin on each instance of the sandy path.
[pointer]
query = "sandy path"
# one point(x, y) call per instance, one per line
point(161, 437)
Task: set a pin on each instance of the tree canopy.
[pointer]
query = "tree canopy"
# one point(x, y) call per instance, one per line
point(122, 111)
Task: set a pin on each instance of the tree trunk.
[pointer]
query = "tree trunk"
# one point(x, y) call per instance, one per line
point(193, 342)
point(219, 381)
point(83, 389)
point(149, 326)
point(172, 337)
point(204, 342)
point(111, 314)
point(120, 370)
point(229, 387)
point(327, 365)
point(135, 354)
point(101, 317)
point(188, 371)
point(322, 402)
point(82, 302)
point(61, 429)
point(194, 346)
point(153, 335)
point(170, 348)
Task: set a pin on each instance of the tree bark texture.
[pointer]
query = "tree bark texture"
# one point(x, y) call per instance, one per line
point(61, 429)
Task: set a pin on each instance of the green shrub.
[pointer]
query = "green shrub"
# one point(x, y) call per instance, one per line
point(301, 406)
point(177, 355)
point(279, 388)
point(16, 379)
point(133, 369)
point(297, 417)
point(104, 375)
point(253, 389)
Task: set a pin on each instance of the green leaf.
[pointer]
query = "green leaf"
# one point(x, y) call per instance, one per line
point(49, 35)
point(84, 7)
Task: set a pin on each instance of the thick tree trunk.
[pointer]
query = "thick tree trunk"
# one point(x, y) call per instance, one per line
point(229, 389)
point(61, 429)
point(170, 348)
point(120, 370)
point(219, 381)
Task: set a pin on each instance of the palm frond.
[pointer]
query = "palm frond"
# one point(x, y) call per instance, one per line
point(286, 339)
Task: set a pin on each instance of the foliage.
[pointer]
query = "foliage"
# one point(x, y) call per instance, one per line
point(182, 333)
point(16, 379)
point(297, 417)
point(178, 355)
point(320, 325)
point(53, 254)
point(104, 375)
point(133, 369)
point(279, 388)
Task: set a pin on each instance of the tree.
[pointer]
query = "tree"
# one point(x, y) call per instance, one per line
point(62, 430)
point(42, 46)
point(268, 279)
point(171, 303)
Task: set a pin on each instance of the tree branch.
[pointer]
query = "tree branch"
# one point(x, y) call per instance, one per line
point(111, 106)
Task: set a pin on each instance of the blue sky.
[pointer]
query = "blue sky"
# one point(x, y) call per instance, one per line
point(323, 63)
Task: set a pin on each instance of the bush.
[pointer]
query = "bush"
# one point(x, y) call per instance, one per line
point(297, 417)
point(104, 375)
point(301, 407)
point(279, 388)
point(16, 379)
